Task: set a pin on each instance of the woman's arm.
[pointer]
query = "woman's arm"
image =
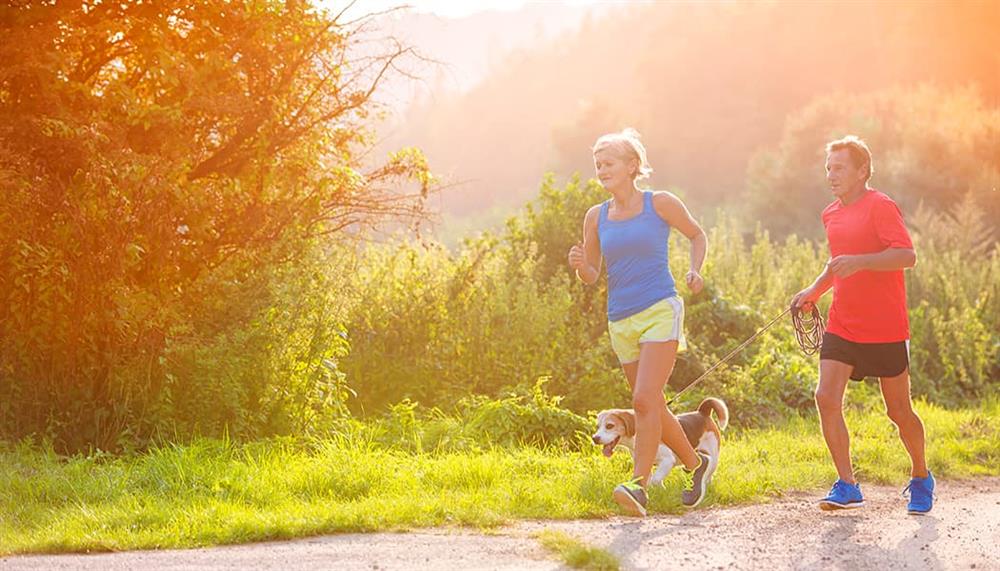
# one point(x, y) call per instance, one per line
point(585, 256)
point(674, 212)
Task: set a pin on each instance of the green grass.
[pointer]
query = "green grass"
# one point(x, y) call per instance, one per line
point(213, 492)
point(577, 554)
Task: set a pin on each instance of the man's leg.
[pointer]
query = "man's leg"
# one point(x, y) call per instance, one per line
point(671, 432)
point(899, 407)
point(833, 379)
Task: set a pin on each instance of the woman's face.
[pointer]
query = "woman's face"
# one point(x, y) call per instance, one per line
point(613, 169)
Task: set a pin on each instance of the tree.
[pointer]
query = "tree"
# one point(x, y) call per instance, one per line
point(156, 160)
point(928, 145)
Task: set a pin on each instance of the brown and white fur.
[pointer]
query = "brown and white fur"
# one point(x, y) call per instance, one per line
point(616, 427)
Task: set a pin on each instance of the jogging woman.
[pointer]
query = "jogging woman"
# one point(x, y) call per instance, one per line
point(645, 314)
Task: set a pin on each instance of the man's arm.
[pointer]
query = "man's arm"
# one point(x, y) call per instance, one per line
point(887, 260)
point(816, 290)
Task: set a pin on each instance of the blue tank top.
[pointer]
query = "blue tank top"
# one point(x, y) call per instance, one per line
point(636, 254)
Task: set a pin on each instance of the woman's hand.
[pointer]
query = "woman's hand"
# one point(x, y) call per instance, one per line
point(694, 281)
point(577, 258)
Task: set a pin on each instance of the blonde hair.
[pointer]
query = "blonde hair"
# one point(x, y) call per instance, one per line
point(627, 144)
point(860, 154)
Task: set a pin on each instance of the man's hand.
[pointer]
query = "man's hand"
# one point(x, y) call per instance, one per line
point(846, 265)
point(577, 258)
point(694, 281)
point(805, 299)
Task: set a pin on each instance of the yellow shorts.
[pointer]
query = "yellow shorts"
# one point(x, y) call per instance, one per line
point(662, 321)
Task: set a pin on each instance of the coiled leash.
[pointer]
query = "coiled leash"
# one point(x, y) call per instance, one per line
point(808, 326)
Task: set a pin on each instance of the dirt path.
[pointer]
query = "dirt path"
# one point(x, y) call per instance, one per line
point(962, 533)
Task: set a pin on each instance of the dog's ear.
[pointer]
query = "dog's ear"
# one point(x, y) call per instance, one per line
point(628, 419)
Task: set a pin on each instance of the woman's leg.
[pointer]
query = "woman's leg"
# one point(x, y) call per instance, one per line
point(654, 423)
point(670, 429)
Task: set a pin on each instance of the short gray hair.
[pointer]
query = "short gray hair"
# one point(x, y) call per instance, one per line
point(861, 155)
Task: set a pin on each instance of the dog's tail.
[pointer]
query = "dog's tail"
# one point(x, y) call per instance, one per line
point(721, 410)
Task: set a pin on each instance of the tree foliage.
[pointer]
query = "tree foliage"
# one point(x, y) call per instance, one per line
point(706, 83)
point(929, 145)
point(159, 163)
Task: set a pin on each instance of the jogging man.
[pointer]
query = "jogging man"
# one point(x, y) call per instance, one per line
point(868, 330)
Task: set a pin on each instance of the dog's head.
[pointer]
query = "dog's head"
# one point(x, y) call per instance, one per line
point(612, 426)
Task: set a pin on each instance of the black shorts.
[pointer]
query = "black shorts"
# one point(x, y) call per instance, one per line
point(869, 359)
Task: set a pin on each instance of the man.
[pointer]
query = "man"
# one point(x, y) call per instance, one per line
point(868, 330)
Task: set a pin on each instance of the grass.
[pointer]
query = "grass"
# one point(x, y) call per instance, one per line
point(213, 492)
point(577, 554)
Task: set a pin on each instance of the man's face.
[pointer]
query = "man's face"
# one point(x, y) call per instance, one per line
point(842, 174)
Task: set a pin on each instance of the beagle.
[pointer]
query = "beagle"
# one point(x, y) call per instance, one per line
point(617, 427)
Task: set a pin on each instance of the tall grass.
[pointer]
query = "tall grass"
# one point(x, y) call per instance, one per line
point(215, 491)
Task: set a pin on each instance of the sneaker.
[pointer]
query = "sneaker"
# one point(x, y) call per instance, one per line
point(695, 483)
point(843, 496)
point(632, 497)
point(921, 495)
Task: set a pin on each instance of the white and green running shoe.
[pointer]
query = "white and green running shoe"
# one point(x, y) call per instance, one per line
point(631, 496)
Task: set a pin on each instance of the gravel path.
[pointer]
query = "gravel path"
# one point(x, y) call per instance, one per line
point(963, 532)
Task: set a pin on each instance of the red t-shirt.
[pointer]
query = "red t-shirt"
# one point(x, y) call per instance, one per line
point(868, 306)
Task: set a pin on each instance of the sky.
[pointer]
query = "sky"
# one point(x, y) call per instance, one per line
point(443, 8)
point(467, 38)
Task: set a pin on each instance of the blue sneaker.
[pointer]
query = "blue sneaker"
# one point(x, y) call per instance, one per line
point(921, 495)
point(843, 496)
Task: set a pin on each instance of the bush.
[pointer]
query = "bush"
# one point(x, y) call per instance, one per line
point(534, 418)
point(485, 321)
point(517, 420)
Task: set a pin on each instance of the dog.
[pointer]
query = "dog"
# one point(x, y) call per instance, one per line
point(616, 427)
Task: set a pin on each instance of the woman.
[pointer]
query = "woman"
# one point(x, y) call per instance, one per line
point(645, 314)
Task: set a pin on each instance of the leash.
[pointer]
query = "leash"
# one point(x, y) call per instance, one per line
point(808, 326)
